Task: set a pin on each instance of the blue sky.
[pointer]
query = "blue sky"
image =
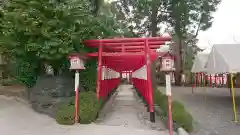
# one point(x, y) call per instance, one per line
point(225, 26)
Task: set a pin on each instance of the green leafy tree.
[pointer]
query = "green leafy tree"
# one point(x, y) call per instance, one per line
point(186, 19)
point(48, 31)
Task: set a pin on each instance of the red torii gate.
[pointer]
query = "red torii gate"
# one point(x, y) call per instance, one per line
point(126, 54)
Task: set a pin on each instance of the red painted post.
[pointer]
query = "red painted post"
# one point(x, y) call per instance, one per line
point(147, 95)
point(76, 118)
point(222, 80)
point(149, 81)
point(170, 122)
point(210, 83)
point(215, 80)
point(99, 70)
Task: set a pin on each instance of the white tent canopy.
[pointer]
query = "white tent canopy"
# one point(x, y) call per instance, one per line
point(224, 58)
point(200, 62)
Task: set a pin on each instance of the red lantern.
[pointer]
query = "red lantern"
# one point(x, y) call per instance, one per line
point(76, 62)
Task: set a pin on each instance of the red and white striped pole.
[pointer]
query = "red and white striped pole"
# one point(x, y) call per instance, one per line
point(76, 96)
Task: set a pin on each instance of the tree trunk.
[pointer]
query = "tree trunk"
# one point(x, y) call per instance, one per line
point(178, 63)
point(154, 18)
point(154, 34)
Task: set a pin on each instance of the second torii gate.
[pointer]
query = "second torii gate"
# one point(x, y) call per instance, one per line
point(126, 54)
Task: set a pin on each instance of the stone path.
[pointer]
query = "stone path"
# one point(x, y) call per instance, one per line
point(17, 118)
point(126, 109)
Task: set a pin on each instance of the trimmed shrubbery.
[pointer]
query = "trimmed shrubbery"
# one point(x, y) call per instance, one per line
point(89, 107)
point(180, 116)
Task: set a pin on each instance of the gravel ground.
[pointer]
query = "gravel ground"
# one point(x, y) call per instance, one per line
point(213, 116)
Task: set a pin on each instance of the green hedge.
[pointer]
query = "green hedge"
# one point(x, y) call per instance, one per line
point(180, 116)
point(89, 107)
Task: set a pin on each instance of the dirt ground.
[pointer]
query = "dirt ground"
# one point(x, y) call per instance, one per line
point(213, 116)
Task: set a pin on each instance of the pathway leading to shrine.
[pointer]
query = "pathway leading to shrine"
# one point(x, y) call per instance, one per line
point(126, 109)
